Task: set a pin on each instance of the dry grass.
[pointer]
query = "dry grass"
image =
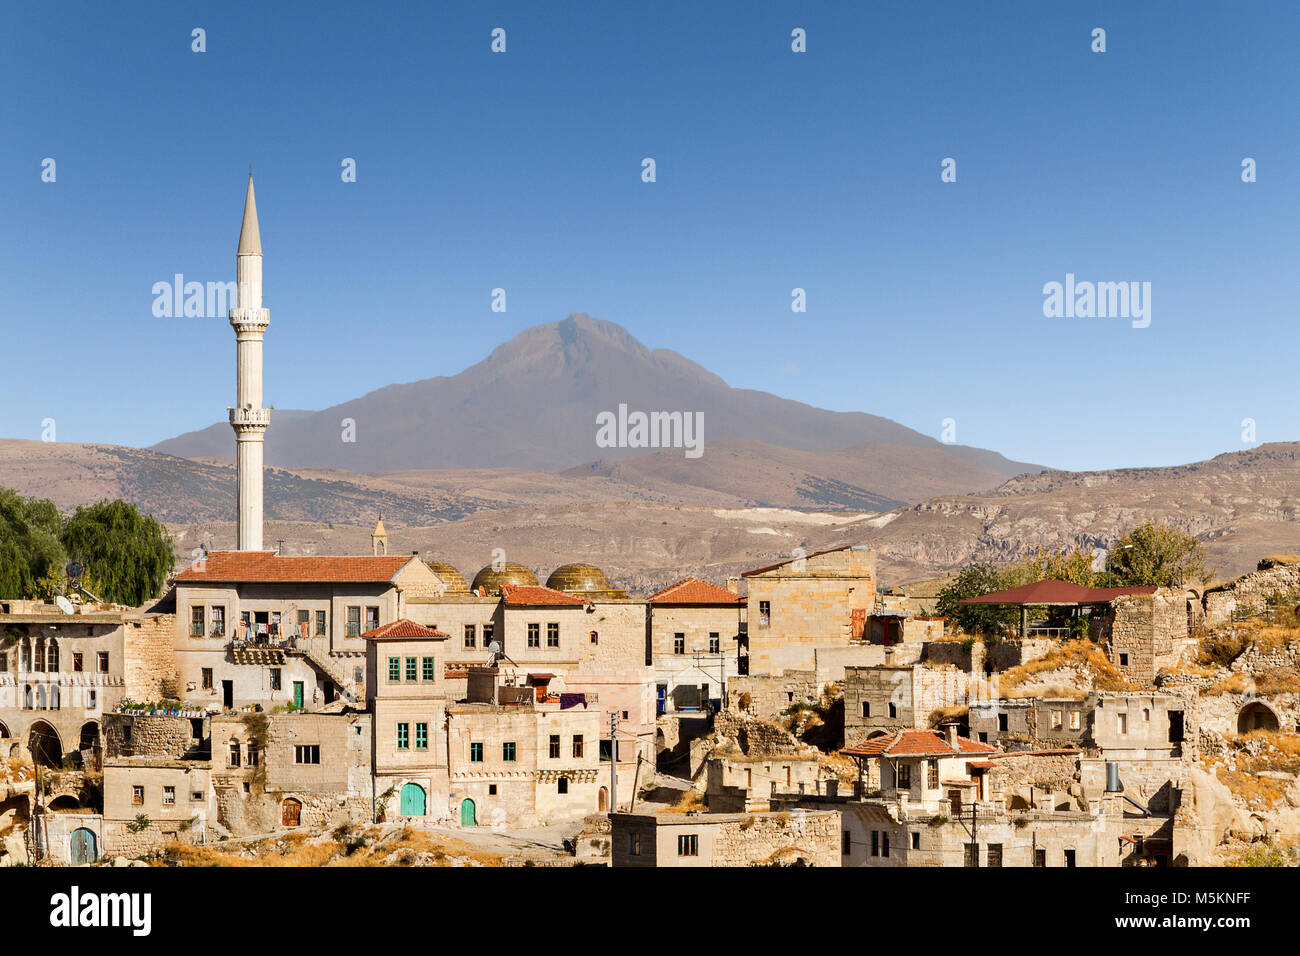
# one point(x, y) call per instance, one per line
point(690, 801)
point(1252, 755)
point(844, 768)
point(947, 713)
point(1081, 654)
point(372, 847)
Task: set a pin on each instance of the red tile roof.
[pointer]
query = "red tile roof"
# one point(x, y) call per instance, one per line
point(267, 566)
point(528, 595)
point(694, 591)
point(403, 628)
point(916, 743)
point(1056, 592)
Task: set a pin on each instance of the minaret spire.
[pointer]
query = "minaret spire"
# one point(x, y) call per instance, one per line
point(248, 418)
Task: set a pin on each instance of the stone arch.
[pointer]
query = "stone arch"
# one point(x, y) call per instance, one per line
point(89, 736)
point(603, 804)
point(45, 744)
point(65, 802)
point(4, 731)
point(1256, 715)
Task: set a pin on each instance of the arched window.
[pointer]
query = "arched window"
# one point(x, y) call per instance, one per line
point(54, 697)
point(29, 702)
point(40, 697)
point(52, 656)
point(26, 654)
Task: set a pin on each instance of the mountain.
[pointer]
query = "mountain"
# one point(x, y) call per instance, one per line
point(533, 402)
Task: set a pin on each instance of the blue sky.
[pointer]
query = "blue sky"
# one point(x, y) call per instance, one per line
point(775, 170)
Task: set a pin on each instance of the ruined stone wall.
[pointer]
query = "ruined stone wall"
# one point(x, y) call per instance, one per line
point(135, 735)
point(1144, 630)
point(1049, 771)
point(813, 835)
point(766, 697)
point(1250, 592)
point(149, 658)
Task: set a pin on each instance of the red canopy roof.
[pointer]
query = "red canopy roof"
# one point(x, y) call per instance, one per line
point(1056, 592)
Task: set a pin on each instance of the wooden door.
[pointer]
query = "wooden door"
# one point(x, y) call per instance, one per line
point(291, 813)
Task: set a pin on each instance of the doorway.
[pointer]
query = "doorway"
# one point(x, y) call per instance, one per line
point(228, 694)
point(467, 818)
point(81, 846)
point(297, 693)
point(291, 812)
point(412, 800)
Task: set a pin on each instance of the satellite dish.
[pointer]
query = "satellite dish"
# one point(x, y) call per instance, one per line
point(64, 605)
point(495, 648)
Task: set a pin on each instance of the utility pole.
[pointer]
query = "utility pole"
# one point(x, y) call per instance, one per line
point(974, 833)
point(613, 761)
point(636, 777)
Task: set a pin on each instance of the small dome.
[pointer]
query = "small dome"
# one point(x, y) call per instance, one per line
point(578, 577)
point(454, 580)
point(490, 579)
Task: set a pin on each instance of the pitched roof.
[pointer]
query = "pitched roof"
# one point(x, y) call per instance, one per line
point(916, 743)
point(267, 566)
point(534, 594)
point(694, 591)
point(402, 628)
point(781, 564)
point(1056, 592)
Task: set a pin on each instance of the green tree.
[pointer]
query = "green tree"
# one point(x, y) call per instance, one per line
point(1158, 554)
point(30, 549)
point(1062, 565)
point(128, 554)
point(972, 581)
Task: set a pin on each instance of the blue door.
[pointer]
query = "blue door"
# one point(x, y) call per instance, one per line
point(412, 800)
point(661, 699)
point(81, 847)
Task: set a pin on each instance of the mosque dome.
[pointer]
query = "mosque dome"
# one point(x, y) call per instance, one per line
point(454, 580)
point(491, 580)
point(578, 578)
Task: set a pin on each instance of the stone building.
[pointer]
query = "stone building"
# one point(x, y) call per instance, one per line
point(407, 699)
point(519, 756)
point(795, 838)
point(284, 770)
point(264, 628)
point(1147, 632)
point(796, 606)
point(751, 760)
point(63, 668)
point(885, 698)
point(695, 633)
point(925, 769)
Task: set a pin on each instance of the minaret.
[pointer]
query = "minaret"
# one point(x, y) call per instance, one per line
point(248, 418)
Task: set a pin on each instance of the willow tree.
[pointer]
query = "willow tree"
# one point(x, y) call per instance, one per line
point(30, 549)
point(129, 555)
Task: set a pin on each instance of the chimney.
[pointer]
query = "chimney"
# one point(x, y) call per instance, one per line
point(951, 731)
point(733, 585)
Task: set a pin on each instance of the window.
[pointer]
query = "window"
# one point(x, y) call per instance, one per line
point(196, 621)
point(52, 658)
point(254, 758)
point(555, 746)
point(306, 753)
point(234, 753)
point(534, 635)
point(471, 635)
point(866, 708)
point(893, 710)
point(372, 618)
point(688, 844)
point(394, 670)
point(562, 785)
point(412, 669)
point(426, 668)
point(403, 736)
point(488, 631)
point(904, 776)
point(916, 841)
point(421, 736)
point(577, 746)
point(1123, 723)
point(4, 661)
point(994, 854)
point(218, 620)
point(1146, 714)
point(196, 796)
point(475, 753)
point(1040, 858)
point(137, 796)
point(78, 661)
point(679, 643)
point(764, 613)
point(492, 789)
point(932, 774)
point(1056, 720)
point(508, 751)
point(634, 844)
point(206, 678)
point(552, 635)
point(875, 843)
point(607, 750)
point(884, 843)
point(970, 854)
point(169, 796)
point(1123, 660)
point(320, 623)
point(275, 678)
point(715, 642)
point(1069, 858)
point(354, 621)
point(1074, 720)
point(595, 638)
point(304, 623)
point(846, 843)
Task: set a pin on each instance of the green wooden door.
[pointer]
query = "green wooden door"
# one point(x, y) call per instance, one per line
point(297, 693)
point(82, 849)
point(412, 800)
point(467, 813)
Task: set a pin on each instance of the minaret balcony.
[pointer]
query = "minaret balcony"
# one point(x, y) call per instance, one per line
point(250, 417)
point(250, 320)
